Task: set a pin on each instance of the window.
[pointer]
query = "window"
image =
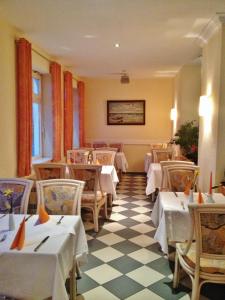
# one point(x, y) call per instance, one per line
point(36, 116)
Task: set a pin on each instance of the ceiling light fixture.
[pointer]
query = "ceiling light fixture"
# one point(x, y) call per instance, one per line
point(117, 45)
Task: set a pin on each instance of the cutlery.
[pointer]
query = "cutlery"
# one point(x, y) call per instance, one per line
point(182, 204)
point(3, 238)
point(175, 194)
point(2, 216)
point(41, 243)
point(27, 218)
point(60, 220)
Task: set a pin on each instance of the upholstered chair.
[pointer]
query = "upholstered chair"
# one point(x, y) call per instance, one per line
point(119, 146)
point(166, 163)
point(103, 157)
point(99, 144)
point(46, 171)
point(19, 197)
point(77, 156)
point(93, 197)
point(161, 154)
point(179, 176)
point(60, 196)
point(203, 256)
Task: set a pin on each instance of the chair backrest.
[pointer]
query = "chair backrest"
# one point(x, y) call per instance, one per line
point(119, 146)
point(19, 198)
point(161, 154)
point(49, 171)
point(166, 163)
point(77, 156)
point(179, 176)
point(90, 174)
point(87, 145)
point(60, 196)
point(209, 229)
point(107, 149)
point(158, 146)
point(99, 144)
point(103, 157)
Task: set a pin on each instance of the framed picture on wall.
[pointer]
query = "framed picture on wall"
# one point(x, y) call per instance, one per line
point(125, 112)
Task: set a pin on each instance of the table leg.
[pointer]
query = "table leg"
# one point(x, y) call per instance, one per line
point(73, 283)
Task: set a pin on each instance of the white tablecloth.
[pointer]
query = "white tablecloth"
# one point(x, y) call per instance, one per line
point(171, 219)
point(148, 161)
point(154, 178)
point(121, 161)
point(109, 180)
point(38, 275)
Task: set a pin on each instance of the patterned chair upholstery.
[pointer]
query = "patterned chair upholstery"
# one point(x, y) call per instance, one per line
point(204, 259)
point(79, 156)
point(99, 144)
point(178, 176)
point(49, 171)
point(19, 198)
point(93, 197)
point(159, 155)
point(119, 146)
point(60, 196)
point(103, 157)
point(167, 163)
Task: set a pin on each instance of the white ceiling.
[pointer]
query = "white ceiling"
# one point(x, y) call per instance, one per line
point(156, 37)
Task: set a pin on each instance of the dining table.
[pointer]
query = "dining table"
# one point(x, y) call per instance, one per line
point(39, 270)
point(121, 162)
point(109, 180)
point(154, 178)
point(171, 217)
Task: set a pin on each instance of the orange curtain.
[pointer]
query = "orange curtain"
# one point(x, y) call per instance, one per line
point(81, 91)
point(68, 111)
point(24, 107)
point(55, 70)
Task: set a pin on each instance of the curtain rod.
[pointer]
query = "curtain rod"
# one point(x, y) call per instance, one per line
point(49, 60)
point(43, 56)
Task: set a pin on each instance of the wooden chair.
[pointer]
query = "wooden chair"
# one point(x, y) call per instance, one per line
point(203, 259)
point(93, 197)
point(103, 157)
point(60, 196)
point(179, 176)
point(161, 154)
point(119, 146)
point(77, 156)
point(21, 189)
point(166, 163)
point(99, 144)
point(49, 171)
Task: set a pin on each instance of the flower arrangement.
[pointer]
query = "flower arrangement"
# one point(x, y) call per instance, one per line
point(187, 137)
point(8, 193)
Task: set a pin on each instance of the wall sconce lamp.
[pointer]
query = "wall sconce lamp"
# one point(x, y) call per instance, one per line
point(204, 106)
point(173, 114)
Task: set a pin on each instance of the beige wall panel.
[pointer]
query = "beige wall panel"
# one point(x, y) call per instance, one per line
point(7, 101)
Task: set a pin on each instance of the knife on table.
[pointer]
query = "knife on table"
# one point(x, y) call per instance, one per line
point(41, 243)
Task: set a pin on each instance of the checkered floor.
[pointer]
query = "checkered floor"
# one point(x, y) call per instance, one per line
point(125, 262)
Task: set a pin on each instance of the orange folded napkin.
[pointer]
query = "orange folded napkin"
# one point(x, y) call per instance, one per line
point(200, 199)
point(210, 184)
point(187, 188)
point(19, 239)
point(43, 215)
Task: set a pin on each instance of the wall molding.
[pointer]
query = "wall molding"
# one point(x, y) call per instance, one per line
point(211, 27)
point(128, 141)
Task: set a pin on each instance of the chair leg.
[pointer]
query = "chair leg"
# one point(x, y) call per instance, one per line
point(195, 289)
point(95, 217)
point(176, 275)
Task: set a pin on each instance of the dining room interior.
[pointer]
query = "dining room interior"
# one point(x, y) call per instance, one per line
point(112, 156)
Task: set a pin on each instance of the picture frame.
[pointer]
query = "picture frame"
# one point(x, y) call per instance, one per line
point(125, 112)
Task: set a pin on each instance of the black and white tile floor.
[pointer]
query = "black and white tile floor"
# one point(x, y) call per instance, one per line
point(125, 262)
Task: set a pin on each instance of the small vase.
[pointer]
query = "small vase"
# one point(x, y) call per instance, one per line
point(11, 222)
point(191, 197)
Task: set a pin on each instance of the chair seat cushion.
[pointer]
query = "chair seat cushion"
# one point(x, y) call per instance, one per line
point(88, 197)
point(206, 265)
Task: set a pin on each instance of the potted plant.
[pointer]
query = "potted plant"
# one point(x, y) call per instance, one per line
point(187, 137)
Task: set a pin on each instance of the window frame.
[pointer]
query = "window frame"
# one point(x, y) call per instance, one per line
point(38, 99)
